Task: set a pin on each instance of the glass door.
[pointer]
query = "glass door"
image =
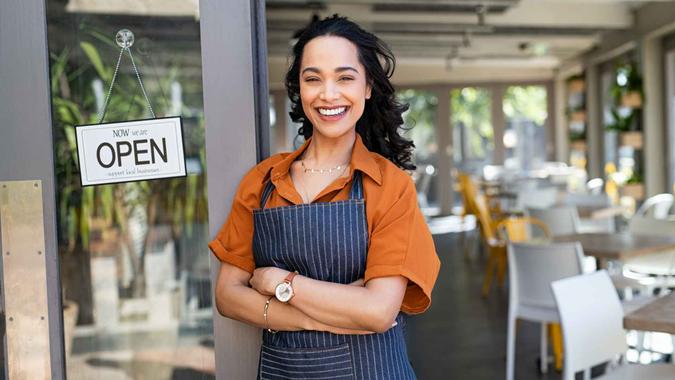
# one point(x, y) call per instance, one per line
point(133, 256)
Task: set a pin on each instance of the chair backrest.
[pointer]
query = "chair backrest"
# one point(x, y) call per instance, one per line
point(537, 198)
point(587, 200)
point(487, 224)
point(519, 229)
point(563, 220)
point(657, 206)
point(592, 321)
point(532, 268)
point(595, 185)
point(469, 191)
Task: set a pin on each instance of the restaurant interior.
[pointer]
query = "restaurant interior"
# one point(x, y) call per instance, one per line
point(544, 134)
point(545, 169)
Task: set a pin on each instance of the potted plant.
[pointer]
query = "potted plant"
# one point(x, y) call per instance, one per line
point(634, 187)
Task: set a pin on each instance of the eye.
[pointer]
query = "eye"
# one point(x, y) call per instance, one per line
point(346, 78)
point(311, 79)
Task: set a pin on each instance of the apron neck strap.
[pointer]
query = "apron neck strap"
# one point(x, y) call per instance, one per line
point(356, 191)
point(267, 191)
point(357, 186)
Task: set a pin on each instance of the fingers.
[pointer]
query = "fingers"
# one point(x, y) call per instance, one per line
point(358, 282)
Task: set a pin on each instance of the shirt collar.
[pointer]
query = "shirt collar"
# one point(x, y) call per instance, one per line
point(362, 160)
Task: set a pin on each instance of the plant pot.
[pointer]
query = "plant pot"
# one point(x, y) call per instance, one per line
point(578, 116)
point(576, 85)
point(632, 139)
point(633, 190)
point(632, 99)
point(579, 145)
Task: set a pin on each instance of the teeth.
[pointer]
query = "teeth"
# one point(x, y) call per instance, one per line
point(330, 112)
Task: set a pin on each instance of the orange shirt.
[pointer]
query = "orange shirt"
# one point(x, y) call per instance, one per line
point(399, 240)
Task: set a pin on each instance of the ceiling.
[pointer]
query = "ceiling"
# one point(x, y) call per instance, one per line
point(459, 39)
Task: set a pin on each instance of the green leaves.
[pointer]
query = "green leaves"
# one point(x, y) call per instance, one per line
point(95, 58)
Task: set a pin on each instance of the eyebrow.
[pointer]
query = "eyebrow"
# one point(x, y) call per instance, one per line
point(337, 69)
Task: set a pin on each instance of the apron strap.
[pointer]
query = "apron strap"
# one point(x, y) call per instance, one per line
point(356, 191)
point(357, 186)
point(267, 191)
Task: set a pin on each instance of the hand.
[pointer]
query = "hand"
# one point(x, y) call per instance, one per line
point(266, 279)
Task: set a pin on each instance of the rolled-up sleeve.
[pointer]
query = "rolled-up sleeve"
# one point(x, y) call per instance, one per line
point(234, 242)
point(401, 245)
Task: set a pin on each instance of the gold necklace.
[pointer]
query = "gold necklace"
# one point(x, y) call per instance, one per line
point(322, 171)
point(303, 187)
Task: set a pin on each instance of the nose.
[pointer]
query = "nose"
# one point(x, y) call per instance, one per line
point(329, 92)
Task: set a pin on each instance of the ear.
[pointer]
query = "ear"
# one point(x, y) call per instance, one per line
point(369, 90)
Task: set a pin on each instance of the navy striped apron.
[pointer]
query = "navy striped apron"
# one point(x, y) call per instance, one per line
point(328, 242)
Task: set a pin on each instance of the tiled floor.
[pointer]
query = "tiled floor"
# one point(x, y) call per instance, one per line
point(463, 336)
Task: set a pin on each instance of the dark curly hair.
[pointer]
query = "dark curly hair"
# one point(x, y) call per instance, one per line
point(381, 120)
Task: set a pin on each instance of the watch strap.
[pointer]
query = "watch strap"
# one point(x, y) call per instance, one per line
point(289, 278)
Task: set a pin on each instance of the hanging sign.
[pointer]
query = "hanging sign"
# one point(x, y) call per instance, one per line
point(130, 151)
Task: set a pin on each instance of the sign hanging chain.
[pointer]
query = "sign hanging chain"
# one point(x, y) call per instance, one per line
point(124, 39)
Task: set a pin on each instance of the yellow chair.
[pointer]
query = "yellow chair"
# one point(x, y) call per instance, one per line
point(496, 249)
point(468, 192)
point(517, 229)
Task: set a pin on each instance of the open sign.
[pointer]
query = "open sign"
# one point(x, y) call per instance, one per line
point(130, 151)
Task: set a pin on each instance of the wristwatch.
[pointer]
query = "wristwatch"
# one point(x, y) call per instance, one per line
point(284, 291)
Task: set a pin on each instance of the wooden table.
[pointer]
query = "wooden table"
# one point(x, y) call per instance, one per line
point(600, 212)
point(619, 246)
point(658, 315)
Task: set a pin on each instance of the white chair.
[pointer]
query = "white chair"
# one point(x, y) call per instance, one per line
point(595, 186)
point(586, 199)
point(562, 220)
point(536, 198)
point(599, 201)
point(532, 268)
point(592, 324)
point(657, 206)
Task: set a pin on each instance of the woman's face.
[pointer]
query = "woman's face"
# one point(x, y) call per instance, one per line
point(333, 86)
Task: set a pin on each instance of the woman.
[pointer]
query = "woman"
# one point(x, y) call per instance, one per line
point(325, 246)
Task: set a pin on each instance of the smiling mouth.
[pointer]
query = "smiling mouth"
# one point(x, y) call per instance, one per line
point(337, 111)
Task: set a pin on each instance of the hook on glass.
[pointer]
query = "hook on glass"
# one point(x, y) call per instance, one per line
point(124, 38)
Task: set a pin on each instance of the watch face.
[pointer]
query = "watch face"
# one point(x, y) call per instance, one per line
point(284, 292)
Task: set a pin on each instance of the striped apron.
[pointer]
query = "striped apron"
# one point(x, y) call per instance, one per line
point(328, 242)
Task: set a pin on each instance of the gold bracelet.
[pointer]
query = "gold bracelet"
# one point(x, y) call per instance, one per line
point(267, 305)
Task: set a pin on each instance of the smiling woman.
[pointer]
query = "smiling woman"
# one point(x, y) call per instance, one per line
point(325, 247)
